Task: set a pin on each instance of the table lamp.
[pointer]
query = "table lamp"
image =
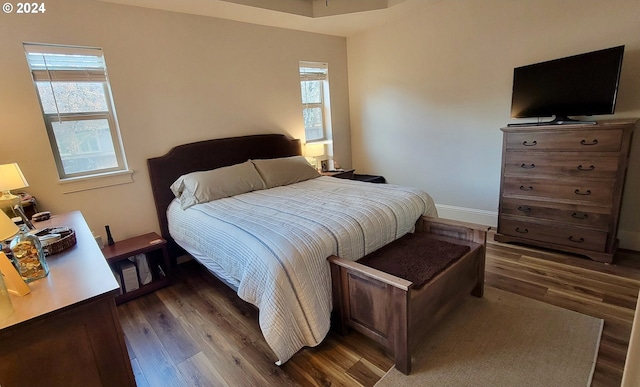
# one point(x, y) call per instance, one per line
point(11, 177)
point(312, 152)
point(7, 228)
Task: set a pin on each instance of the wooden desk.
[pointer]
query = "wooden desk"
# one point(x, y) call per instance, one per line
point(66, 332)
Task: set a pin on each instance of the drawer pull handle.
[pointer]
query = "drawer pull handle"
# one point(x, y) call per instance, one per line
point(579, 216)
point(584, 142)
point(579, 240)
point(525, 166)
point(585, 193)
point(524, 209)
point(581, 168)
point(526, 230)
point(534, 143)
point(523, 188)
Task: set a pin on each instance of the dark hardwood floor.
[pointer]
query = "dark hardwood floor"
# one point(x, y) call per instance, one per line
point(197, 332)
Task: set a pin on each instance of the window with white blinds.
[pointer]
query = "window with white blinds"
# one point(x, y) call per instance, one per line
point(75, 97)
point(314, 84)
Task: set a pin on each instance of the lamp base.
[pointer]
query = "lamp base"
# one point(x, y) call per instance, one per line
point(7, 202)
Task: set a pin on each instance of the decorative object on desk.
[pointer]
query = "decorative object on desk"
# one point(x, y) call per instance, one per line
point(10, 178)
point(55, 240)
point(7, 230)
point(6, 307)
point(14, 283)
point(40, 216)
point(28, 202)
point(28, 256)
point(19, 211)
point(110, 241)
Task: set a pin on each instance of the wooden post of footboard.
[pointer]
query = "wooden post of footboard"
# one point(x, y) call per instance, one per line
point(340, 299)
point(459, 230)
point(399, 331)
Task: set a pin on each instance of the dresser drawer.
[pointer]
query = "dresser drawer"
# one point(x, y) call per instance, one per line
point(552, 233)
point(565, 213)
point(604, 140)
point(568, 191)
point(559, 164)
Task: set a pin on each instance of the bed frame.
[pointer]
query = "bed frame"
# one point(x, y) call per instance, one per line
point(205, 155)
point(442, 295)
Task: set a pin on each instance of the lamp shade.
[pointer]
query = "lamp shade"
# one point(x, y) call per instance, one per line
point(11, 177)
point(313, 150)
point(7, 228)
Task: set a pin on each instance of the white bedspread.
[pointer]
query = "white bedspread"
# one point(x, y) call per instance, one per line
point(272, 246)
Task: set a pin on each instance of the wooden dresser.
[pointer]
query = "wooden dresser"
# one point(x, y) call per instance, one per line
point(66, 332)
point(561, 186)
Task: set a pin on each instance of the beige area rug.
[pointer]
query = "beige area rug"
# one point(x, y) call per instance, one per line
point(504, 339)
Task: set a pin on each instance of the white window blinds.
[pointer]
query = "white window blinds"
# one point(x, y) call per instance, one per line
point(60, 63)
point(311, 71)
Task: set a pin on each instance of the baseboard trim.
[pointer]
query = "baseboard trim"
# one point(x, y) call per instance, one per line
point(629, 240)
point(487, 218)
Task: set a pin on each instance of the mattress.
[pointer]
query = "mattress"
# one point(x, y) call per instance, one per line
point(271, 246)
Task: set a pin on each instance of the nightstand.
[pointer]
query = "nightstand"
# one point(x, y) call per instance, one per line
point(345, 174)
point(155, 250)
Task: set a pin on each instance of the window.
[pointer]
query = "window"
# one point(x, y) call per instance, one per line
point(75, 97)
point(314, 84)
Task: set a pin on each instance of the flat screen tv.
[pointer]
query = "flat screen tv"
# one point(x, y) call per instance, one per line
point(579, 85)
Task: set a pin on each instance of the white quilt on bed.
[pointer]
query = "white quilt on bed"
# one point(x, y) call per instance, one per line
point(273, 244)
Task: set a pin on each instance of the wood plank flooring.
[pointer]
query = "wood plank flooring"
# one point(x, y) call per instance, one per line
point(197, 332)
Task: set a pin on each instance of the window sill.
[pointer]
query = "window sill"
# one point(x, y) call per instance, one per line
point(97, 181)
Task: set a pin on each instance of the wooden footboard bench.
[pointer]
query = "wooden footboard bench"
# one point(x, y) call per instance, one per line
point(394, 311)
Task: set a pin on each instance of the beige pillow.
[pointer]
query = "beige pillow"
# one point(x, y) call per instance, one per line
point(285, 170)
point(205, 186)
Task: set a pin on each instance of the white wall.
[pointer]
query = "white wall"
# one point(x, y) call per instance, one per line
point(429, 93)
point(175, 78)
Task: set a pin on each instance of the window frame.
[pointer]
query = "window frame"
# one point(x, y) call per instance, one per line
point(322, 76)
point(93, 72)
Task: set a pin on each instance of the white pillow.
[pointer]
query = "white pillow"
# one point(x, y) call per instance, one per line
point(205, 186)
point(285, 170)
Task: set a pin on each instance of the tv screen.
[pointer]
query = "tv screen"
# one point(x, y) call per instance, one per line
point(580, 85)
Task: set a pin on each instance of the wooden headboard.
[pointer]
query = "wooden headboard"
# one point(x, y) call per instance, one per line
point(205, 155)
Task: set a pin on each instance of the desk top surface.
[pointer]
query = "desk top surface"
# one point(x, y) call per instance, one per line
point(77, 275)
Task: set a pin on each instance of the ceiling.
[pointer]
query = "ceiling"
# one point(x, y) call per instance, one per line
point(332, 17)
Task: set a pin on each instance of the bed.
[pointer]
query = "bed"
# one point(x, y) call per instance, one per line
point(271, 245)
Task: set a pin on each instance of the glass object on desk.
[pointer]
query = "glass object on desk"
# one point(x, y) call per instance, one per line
point(28, 256)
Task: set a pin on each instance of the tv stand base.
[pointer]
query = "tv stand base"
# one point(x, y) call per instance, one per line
point(561, 120)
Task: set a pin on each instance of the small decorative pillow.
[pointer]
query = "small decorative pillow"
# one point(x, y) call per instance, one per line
point(205, 186)
point(285, 170)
